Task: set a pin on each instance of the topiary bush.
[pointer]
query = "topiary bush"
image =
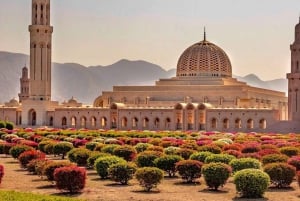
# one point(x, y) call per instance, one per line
point(290, 151)
point(9, 125)
point(62, 148)
point(140, 147)
point(17, 150)
point(5, 147)
point(33, 165)
point(185, 153)
point(251, 148)
point(109, 148)
point(189, 170)
point(49, 168)
point(104, 163)
point(122, 172)
point(295, 161)
point(244, 163)
point(49, 147)
point(251, 183)
point(149, 177)
point(27, 156)
point(1, 172)
point(127, 152)
point(79, 156)
point(219, 158)
point(168, 163)
point(91, 145)
point(200, 156)
point(146, 158)
point(281, 174)
point(43, 144)
point(70, 179)
point(210, 148)
point(216, 174)
point(171, 150)
point(274, 158)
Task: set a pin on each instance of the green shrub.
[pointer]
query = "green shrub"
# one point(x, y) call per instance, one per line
point(49, 168)
point(9, 125)
point(216, 174)
point(274, 158)
point(43, 144)
point(219, 158)
point(290, 151)
point(149, 177)
point(200, 156)
point(185, 153)
point(210, 148)
point(70, 179)
point(62, 148)
point(17, 150)
point(91, 145)
point(27, 156)
point(189, 170)
point(5, 147)
point(141, 147)
point(2, 124)
point(251, 183)
point(109, 148)
point(99, 147)
point(49, 147)
point(79, 156)
point(168, 163)
point(171, 150)
point(155, 148)
point(244, 163)
point(104, 163)
point(281, 174)
point(127, 152)
point(122, 172)
point(146, 158)
point(93, 157)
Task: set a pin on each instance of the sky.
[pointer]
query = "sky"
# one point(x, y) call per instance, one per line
point(256, 34)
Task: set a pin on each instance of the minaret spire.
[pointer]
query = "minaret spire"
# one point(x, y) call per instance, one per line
point(204, 35)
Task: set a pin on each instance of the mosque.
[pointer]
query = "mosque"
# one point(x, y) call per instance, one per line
point(202, 96)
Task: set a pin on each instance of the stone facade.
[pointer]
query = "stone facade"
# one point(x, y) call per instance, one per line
point(202, 96)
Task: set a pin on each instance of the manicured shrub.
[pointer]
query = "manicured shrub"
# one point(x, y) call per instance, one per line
point(185, 153)
point(91, 145)
point(234, 153)
point(274, 158)
point(9, 125)
point(189, 170)
point(2, 124)
point(27, 156)
point(251, 148)
point(281, 174)
point(210, 148)
point(93, 157)
point(5, 147)
point(219, 158)
point(140, 147)
point(49, 168)
point(43, 144)
point(79, 156)
point(168, 163)
point(171, 150)
point(244, 163)
point(109, 148)
point(265, 152)
point(290, 151)
point(127, 152)
point(251, 183)
point(16, 151)
point(70, 179)
point(200, 156)
point(216, 174)
point(62, 148)
point(250, 155)
point(122, 172)
point(295, 161)
point(49, 147)
point(99, 147)
point(33, 165)
point(155, 148)
point(1, 172)
point(104, 163)
point(149, 177)
point(146, 158)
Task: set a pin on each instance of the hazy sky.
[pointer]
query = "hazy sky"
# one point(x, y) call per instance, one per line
point(256, 34)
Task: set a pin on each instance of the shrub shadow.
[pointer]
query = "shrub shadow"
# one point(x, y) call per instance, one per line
point(67, 194)
point(156, 191)
point(284, 189)
point(117, 185)
point(183, 183)
point(48, 186)
point(211, 191)
point(247, 199)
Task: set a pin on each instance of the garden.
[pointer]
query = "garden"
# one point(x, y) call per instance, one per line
point(55, 164)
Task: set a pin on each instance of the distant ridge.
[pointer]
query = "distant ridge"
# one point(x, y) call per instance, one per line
point(86, 83)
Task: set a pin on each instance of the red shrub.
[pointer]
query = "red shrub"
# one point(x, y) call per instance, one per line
point(29, 143)
point(251, 148)
point(27, 156)
point(250, 155)
point(1, 172)
point(236, 147)
point(235, 153)
point(265, 152)
point(295, 161)
point(71, 179)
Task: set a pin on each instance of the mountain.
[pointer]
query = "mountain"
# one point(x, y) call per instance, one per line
point(86, 83)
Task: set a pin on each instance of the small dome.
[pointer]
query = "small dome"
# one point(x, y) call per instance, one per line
point(14, 101)
point(204, 59)
point(72, 101)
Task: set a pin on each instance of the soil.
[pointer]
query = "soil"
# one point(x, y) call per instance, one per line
point(96, 189)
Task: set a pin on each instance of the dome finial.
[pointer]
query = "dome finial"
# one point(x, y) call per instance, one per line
point(204, 35)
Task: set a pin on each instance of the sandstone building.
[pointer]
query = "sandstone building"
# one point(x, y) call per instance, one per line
point(202, 96)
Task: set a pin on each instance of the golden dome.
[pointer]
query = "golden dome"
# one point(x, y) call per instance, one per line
point(204, 59)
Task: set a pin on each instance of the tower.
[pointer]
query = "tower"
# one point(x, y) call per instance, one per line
point(40, 51)
point(24, 85)
point(294, 78)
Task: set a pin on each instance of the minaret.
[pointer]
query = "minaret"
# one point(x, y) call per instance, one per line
point(24, 85)
point(294, 78)
point(40, 51)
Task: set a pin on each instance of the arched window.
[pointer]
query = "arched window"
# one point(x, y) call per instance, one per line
point(226, 123)
point(51, 121)
point(93, 121)
point(167, 123)
point(214, 123)
point(262, 124)
point(135, 122)
point(64, 121)
point(73, 121)
point(83, 122)
point(145, 123)
point(114, 123)
point(124, 122)
point(156, 122)
point(250, 124)
point(103, 122)
point(238, 123)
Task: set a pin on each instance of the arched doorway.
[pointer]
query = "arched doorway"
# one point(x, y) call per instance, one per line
point(51, 121)
point(32, 117)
